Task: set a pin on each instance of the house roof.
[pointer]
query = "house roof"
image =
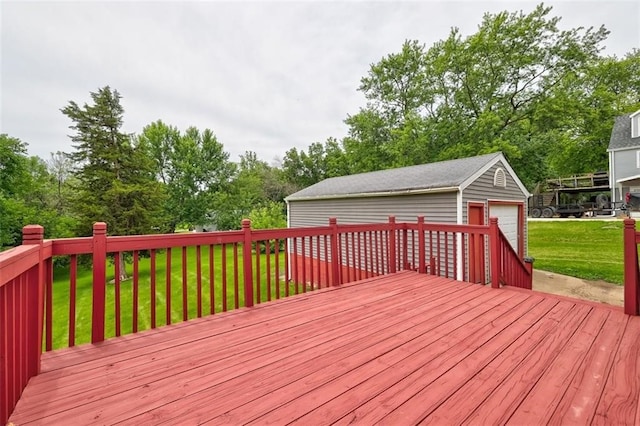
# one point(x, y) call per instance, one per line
point(449, 175)
point(621, 133)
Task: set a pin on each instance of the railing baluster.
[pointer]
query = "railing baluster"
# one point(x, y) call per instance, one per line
point(199, 280)
point(212, 296)
point(286, 267)
point(236, 272)
point(224, 278)
point(185, 300)
point(277, 274)
point(258, 283)
point(116, 288)
point(136, 272)
point(304, 264)
point(168, 288)
point(446, 255)
point(318, 263)
point(268, 265)
point(73, 273)
point(455, 255)
point(295, 263)
point(326, 261)
point(152, 290)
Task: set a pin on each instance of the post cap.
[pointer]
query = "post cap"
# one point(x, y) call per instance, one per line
point(99, 228)
point(246, 223)
point(32, 233)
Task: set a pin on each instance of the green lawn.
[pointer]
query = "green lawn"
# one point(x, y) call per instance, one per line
point(61, 289)
point(589, 249)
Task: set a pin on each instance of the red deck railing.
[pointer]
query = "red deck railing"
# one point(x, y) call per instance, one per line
point(631, 269)
point(177, 277)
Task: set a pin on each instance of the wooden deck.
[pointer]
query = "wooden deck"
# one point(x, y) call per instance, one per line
point(399, 349)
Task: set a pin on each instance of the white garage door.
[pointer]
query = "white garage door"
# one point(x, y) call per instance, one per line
point(507, 221)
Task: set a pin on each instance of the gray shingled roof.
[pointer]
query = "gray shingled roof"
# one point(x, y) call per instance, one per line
point(444, 174)
point(621, 134)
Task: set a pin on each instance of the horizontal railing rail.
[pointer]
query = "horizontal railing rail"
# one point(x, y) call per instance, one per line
point(108, 286)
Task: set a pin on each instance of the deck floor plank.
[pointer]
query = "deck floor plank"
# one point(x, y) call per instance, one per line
point(620, 405)
point(366, 344)
point(318, 390)
point(426, 360)
point(400, 349)
point(579, 402)
point(125, 366)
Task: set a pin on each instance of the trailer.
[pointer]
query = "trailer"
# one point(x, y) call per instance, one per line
point(577, 196)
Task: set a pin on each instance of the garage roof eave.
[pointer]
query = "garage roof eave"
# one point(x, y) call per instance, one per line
point(377, 194)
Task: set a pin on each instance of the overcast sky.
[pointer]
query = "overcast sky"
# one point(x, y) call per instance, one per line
point(264, 76)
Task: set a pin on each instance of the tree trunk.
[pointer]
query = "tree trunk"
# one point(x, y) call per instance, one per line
point(122, 273)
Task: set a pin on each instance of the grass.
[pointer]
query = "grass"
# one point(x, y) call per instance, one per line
point(84, 293)
point(588, 249)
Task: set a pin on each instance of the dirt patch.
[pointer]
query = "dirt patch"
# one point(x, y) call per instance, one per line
point(597, 291)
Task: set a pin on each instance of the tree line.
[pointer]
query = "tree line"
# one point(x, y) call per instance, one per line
point(545, 97)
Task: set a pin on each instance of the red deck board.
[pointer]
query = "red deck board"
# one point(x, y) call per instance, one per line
point(307, 323)
point(399, 349)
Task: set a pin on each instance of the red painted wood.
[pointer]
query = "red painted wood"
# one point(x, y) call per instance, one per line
point(224, 278)
point(5, 405)
point(352, 259)
point(185, 296)
point(578, 405)
point(236, 288)
point(199, 281)
point(287, 275)
point(135, 290)
point(257, 297)
point(212, 296)
point(168, 288)
point(391, 238)
point(152, 287)
point(102, 392)
point(248, 273)
point(631, 274)
point(620, 405)
point(48, 297)
point(72, 299)
point(116, 288)
point(480, 338)
point(303, 275)
point(277, 267)
point(99, 281)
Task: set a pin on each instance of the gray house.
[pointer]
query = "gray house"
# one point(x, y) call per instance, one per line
point(463, 191)
point(624, 159)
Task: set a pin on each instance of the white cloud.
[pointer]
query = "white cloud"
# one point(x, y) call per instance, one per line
point(265, 76)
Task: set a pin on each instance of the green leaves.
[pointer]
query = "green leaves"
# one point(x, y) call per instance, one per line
point(193, 167)
point(519, 84)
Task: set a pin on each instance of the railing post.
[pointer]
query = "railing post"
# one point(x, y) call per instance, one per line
point(392, 244)
point(494, 248)
point(528, 262)
point(247, 260)
point(421, 252)
point(34, 235)
point(630, 268)
point(99, 281)
point(335, 256)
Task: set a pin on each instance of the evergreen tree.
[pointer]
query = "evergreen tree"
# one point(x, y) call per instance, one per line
point(115, 181)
